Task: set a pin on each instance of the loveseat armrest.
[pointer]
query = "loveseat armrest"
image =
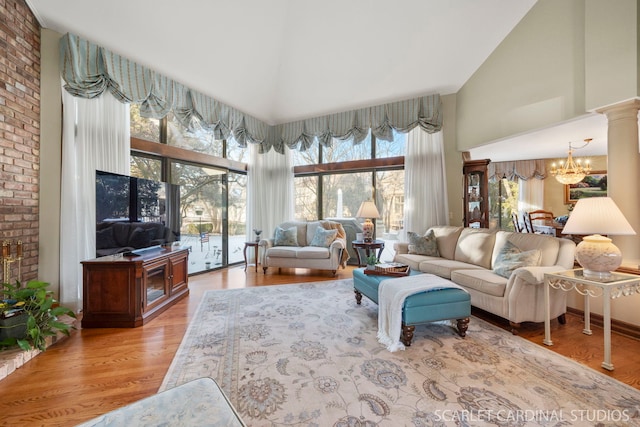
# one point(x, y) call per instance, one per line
point(266, 243)
point(535, 275)
point(338, 243)
point(401, 247)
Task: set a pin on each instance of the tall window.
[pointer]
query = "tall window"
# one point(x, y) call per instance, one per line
point(345, 175)
point(503, 201)
point(212, 195)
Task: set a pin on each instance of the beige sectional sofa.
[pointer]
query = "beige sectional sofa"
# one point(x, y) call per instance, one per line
point(302, 254)
point(467, 256)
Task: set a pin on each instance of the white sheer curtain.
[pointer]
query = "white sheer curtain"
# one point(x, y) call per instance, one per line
point(95, 135)
point(271, 197)
point(530, 194)
point(425, 194)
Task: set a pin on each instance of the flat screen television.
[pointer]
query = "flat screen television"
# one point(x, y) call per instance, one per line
point(128, 199)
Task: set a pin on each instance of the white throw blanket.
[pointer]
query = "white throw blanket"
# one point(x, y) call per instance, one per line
point(391, 296)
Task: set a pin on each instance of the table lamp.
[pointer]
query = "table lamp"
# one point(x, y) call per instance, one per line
point(595, 216)
point(367, 211)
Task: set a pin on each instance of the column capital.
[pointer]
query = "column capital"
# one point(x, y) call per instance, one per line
point(622, 110)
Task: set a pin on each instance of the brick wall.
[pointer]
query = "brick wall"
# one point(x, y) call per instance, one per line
point(19, 132)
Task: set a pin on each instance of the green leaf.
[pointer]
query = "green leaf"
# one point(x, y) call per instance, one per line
point(24, 344)
point(37, 284)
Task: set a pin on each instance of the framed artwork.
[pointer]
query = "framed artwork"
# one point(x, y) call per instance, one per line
point(593, 185)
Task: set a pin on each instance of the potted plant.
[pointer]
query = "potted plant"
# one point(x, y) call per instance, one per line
point(29, 314)
point(371, 260)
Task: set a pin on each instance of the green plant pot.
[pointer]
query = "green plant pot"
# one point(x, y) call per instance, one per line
point(14, 327)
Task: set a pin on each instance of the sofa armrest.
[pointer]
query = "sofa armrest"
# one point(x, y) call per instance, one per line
point(401, 247)
point(535, 275)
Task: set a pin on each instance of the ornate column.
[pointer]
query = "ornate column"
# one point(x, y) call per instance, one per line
point(623, 170)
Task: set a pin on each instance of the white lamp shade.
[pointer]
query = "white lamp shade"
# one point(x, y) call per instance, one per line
point(368, 210)
point(597, 215)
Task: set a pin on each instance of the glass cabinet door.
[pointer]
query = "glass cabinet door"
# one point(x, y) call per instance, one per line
point(476, 194)
point(474, 203)
point(156, 289)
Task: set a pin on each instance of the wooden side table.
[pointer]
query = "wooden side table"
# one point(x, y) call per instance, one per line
point(254, 245)
point(368, 247)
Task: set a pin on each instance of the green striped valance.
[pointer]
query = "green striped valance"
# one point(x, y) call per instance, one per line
point(88, 70)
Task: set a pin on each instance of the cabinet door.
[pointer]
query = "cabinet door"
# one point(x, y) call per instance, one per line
point(179, 272)
point(155, 282)
point(474, 200)
point(476, 194)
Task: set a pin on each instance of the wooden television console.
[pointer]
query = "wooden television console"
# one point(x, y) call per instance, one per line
point(128, 291)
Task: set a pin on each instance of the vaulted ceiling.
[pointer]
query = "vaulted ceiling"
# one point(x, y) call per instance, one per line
point(283, 60)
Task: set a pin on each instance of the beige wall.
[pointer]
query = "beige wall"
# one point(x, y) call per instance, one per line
point(611, 52)
point(453, 160)
point(51, 153)
point(534, 78)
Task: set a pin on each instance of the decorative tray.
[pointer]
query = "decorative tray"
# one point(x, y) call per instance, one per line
point(389, 269)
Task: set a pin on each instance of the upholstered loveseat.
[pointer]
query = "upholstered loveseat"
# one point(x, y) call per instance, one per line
point(503, 271)
point(299, 244)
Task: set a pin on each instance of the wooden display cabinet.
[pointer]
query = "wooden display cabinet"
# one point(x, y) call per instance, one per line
point(128, 291)
point(476, 193)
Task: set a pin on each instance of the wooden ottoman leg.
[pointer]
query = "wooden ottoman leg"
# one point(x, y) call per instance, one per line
point(358, 296)
point(407, 334)
point(463, 325)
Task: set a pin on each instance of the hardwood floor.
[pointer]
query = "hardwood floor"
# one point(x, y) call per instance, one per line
point(98, 370)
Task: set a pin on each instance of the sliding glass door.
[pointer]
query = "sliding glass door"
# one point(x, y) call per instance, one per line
point(203, 209)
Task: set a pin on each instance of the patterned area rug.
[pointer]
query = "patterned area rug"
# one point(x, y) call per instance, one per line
point(307, 355)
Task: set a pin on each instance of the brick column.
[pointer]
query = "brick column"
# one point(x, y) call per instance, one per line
point(20, 131)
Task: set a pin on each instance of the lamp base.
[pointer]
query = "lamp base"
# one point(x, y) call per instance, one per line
point(367, 230)
point(598, 256)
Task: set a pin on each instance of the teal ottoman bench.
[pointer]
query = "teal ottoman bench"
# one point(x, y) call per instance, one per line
point(423, 307)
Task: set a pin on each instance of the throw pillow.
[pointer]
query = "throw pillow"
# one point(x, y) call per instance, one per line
point(423, 245)
point(286, 237)
point(323, 238)
point(511, 257)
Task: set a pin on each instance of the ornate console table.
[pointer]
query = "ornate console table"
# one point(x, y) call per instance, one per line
point(617, 286)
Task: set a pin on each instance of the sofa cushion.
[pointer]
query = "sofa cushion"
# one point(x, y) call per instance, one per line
point(413, 261)
point(286, 237)
point(475, 246)
point(484, 281)
point(444, 267)
point(323, 238)
point(511, 257)
point(312, 252)
point(423, 245)
point(282, 252)
point(447, 237)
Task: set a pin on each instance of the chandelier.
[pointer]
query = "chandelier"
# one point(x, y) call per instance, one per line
point(571, 172)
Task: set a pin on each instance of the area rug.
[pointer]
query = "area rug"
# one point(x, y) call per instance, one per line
point(307, 355)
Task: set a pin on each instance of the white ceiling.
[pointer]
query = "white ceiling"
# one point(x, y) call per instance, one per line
point(284, 60)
